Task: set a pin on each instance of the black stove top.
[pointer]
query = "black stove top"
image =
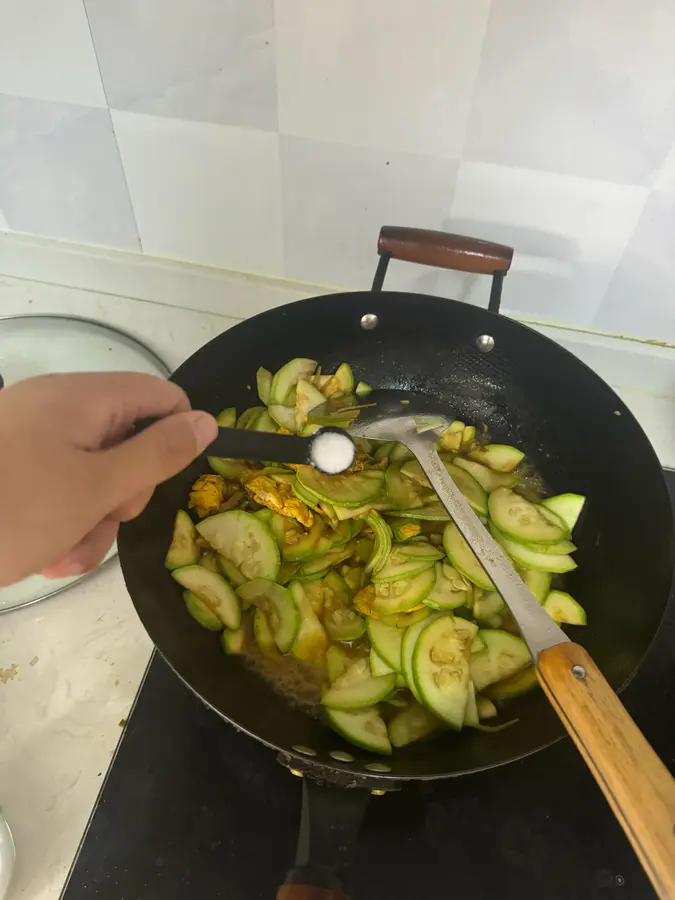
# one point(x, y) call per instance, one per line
point(193, 809)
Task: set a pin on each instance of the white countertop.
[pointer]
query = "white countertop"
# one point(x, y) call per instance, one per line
point(70, 666)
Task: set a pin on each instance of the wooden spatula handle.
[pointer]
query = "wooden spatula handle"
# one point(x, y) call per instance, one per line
point(637, 785)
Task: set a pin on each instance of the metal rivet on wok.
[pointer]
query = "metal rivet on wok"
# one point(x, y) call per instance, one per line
point(296, 772)
point(369, 321)
point(341, 756)
point(377, 767)
point(377, 793)
point(579, 672)
point(300, 748)
point(485, 343)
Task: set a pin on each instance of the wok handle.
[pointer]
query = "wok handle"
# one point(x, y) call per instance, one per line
point(307, 892)
point(637, 785)
point(443, 250)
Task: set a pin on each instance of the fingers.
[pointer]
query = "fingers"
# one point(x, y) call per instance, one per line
point(133, 507)
point(142, 462)
point(87, 554)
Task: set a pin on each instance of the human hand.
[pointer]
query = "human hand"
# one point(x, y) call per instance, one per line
point(70, 472)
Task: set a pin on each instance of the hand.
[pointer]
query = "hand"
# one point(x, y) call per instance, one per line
point(70, 472)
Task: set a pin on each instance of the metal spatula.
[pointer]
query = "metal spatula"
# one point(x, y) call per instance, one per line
point(637, 785)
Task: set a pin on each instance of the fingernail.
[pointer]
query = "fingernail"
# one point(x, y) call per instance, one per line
point(204, 427)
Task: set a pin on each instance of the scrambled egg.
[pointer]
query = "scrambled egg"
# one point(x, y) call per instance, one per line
point(207, 493)
point(280, 498)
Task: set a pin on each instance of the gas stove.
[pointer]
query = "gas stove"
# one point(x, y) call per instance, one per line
point(192, 808)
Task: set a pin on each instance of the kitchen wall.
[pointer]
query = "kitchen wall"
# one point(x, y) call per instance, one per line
point(276, 136)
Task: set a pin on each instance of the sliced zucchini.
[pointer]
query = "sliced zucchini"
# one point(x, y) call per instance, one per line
point(306, 544)
point(387, 643)
point(407, 651)
point(227, 418)
point(412, 724)
point(463, 558)
point(488, 605)
point(355, 578)
point(399, 567)
point(384, 450)
point(249, 417)
point(340, 383)
point(214, 591)
point(399, 453)
point(263, 380)
point(432, 512)
point(538, 583)
point(377, 665)
point(523, 521)
point(478, 644)
point(564, 609)
point(317, 565)
point(364, 728)
point(560, 548)
point(234, 642)
point(183, 550)
point(287, 572)
point(202, 612)
point(230, 571)
point(499, 457)
point(343, 490)
point(405, 530)
point(307, 398)
point(544, 562)
point(362, 550)
point(468, 438)
point(276, 602)
point(518, 684)
point(284, 416)
point(209, 560)
point(441, 670)
point(245, 541)
point(285, 380)
point(338, 660)
point(363, 389)
point(485, 707)
point(450, 590)
point(382, 547)
point(228, 468)
point(398, 596)
point(311, 642)
point(504, 655)
point(405, 619)
point(418, 550)
point(471, 710)
point(359, 695)
point(401, 491)
point(264, 636)
point(567, 506)
point(343, 624)
point(488, 479)
point(451, 438)
point(467, 484)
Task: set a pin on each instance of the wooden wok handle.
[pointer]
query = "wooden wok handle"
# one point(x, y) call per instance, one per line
point(637, 785)
point(443, 250)
point(307, 892)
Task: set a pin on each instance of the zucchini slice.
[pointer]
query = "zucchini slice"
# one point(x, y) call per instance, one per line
point(488, 479)
point(307, 398)
point(264, 636)
point(399, 567)
point(405, 530)
point(538, 583)
point(432, 512)
point(249, 417)
point(183, 550)
point(342, 382)
point(405, 619)
point(364, 728)
point(377, 665)
point(515, 686)
point(311, 642)
point(418, 550)
point(343, 624)
point(230, 571)
point(214, 591)
point(466, 483)
point(564, 609)
point(410, 637)
point(227, 418)
point(441, 670)
point(488, 605)
point(277, 604)
point(365, 692)
point(464, 559)
point(485, 708)
point(500, 457)
point(338, 660)
point(245, 541)
point(201, 612)
point(401, 491)
point(450, 590)
point(228, 468)
point(523, 521)
point(363, 389)
point(561, 547)
point(544, 562)
point(263, 380)
point(285, 380)
point(567, 506)
point(306, 544)
point(387, 643)
point(403, 594)
point(382, 547)
point(234, 641)
point(284, 416)
point(412, 724)
point(343, 490)
point(504, 655)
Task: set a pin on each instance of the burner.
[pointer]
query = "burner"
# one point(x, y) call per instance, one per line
point(191, 808)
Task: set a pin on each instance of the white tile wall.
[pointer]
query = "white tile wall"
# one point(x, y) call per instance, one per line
point(277, 136)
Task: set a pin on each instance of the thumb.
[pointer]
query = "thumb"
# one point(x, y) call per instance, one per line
point(157, 453)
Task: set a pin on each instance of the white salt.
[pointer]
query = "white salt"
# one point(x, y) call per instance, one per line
point(332, 452)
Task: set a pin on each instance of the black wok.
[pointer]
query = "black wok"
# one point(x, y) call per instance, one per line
point(528, 391)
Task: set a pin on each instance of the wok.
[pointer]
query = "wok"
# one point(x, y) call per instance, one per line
point(493, 372)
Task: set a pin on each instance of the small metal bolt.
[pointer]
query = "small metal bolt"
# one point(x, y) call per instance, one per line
point(579, 672)
point(296, 772)
point(485, 343)
point(369, 321)
point(341, 756)
point(300, 748)
point(378, 793)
